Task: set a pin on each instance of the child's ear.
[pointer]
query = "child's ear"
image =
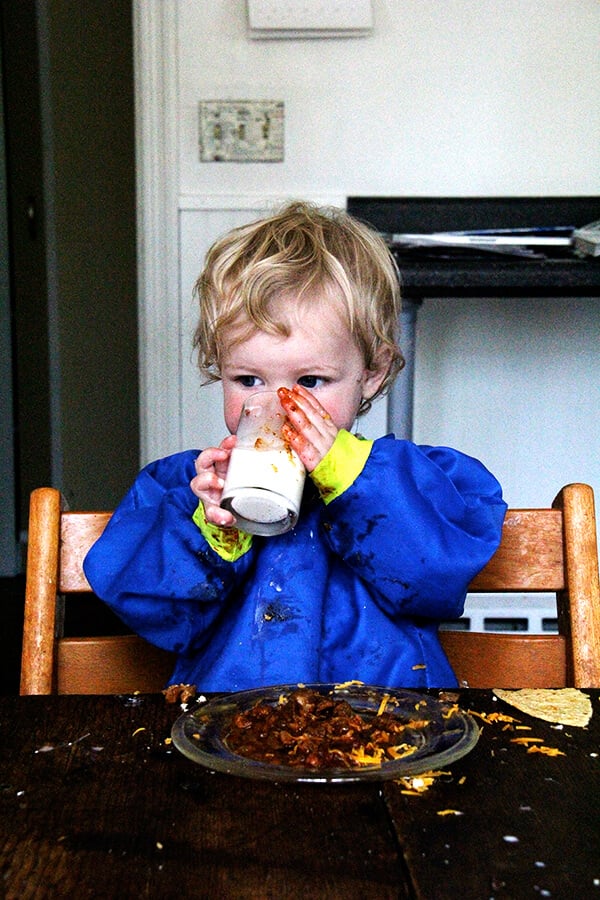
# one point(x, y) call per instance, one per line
point(373, 377)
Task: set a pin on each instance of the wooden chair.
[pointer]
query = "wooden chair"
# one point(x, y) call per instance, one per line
point(52, 663)
point(541, 550)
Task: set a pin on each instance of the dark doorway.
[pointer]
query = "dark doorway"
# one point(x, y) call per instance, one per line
point(70, 303)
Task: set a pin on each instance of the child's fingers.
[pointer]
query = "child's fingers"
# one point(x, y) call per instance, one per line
point(300, 398)
point(309, 455)
point(211, 467)
point(216, 515)
point(310, 429)
point(310, 445)
point(207, 459)
point(216, 458)
point(207, 485)
point(304, 411)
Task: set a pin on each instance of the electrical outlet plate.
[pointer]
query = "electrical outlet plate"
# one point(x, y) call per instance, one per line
point(241, 130)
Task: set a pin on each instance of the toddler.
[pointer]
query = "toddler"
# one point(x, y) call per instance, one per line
point(305, 302)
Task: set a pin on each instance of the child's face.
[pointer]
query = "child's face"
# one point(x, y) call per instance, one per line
point(319, 354)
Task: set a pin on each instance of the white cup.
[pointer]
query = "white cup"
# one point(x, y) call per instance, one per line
point(265, 478)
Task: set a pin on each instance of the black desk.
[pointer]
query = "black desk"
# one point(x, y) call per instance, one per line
point(482, 275)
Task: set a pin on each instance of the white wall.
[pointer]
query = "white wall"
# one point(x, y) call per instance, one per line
point(454, 98)
point(515, 383)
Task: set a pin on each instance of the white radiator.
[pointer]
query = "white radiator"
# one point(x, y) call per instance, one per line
point(516, 612)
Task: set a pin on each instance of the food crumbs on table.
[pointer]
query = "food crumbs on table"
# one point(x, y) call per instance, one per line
point(419, 666)
point(418, 784)
point(462, 779)
point(527, 740)
point(449, 812)
point(180, 693)
point(493, 717)
point(449, 696)
point(159, 846)
point(501, 717)
point(547, 751)
point(168, 740)
point(137, 731)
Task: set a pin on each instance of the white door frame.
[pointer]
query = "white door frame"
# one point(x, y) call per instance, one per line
point(157, 179)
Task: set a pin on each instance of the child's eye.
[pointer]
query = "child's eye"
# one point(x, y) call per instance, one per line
point(311, 381)
point(248, 380)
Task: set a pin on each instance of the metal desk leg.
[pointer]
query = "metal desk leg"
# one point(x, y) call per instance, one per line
point(401, 396)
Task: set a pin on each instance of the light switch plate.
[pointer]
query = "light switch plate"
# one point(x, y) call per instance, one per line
point(241, 130)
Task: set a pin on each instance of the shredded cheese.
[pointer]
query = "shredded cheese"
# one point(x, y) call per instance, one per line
point(492, 717)
point(384, 702)
point(418, 784)
point(401, 750)
point(365, 758)
point(547, 751)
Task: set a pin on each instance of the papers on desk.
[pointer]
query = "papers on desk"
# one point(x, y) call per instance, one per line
point(512, 241)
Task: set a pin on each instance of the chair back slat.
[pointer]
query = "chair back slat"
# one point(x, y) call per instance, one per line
point(78, 531)
point(120, 664)
point(490, 660)
point(530, 557)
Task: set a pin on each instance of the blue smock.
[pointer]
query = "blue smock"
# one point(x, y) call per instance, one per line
point(355, 591)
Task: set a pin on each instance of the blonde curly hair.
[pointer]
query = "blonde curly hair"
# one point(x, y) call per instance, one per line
point(302, 252)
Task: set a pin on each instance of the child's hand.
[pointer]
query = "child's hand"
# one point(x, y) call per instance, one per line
point(310, 430)
point(207, 485)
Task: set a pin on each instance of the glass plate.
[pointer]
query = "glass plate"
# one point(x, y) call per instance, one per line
point(450, 734)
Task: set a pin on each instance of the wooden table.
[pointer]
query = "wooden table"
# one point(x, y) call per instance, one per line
point(95, 802)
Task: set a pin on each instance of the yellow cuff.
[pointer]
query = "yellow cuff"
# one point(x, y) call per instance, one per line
point(229, 543)
point(341, 466)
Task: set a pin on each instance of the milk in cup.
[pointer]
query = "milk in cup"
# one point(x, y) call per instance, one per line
point(265, 478)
